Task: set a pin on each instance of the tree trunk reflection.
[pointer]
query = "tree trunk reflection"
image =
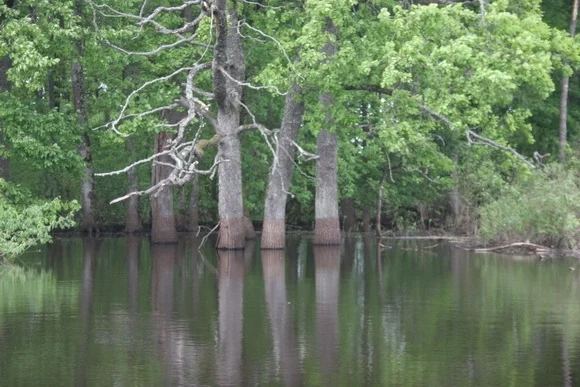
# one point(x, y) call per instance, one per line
point(279, 311)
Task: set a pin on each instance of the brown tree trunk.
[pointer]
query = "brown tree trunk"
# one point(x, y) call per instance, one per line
point(564, 95)
point(231, 297)
point(327, 274)
point(84, 149)
point(280, 178)
point(163, 228)
point(132, 219)
point(280, 314)
point(5, 86)
point(366, 220)
point(229, 57)
point(349, 215)
point(327, 225)
point(194, 204)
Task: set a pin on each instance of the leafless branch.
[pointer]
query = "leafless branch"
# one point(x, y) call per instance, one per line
point(489, 142)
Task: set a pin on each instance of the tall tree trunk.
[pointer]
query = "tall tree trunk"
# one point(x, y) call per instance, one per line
point(84, 149)
point(162, 216)
point(564, 95)
point(327, 225)
point(132, 219)
point(280, 178)
point(229, 57)
point(194, 204)
point(349, 215)
point(5, 86)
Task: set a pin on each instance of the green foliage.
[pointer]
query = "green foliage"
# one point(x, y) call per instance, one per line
point(25, 223)
point(543, 208)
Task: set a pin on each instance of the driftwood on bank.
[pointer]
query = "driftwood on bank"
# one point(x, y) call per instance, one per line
point(532, 247)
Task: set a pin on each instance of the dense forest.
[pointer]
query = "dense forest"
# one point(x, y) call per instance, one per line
point(338, 115)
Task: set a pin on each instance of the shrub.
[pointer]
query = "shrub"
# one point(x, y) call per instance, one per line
point(543, 209)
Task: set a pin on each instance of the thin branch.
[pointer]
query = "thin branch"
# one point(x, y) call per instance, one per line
point(490, 142)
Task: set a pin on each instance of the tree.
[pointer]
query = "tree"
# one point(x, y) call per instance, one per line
point(564, 95)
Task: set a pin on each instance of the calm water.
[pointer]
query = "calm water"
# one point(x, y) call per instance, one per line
point(120, 312)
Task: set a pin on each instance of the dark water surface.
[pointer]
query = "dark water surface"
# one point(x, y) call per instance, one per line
point(120, 312)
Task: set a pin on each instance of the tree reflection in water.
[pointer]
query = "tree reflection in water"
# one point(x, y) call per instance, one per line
point(280, 315)
point(231, 299)
point(327, 266)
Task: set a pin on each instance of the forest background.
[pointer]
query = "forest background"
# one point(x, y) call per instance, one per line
point(330, 116)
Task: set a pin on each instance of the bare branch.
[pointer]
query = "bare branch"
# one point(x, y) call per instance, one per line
point(490, 142)
point(246, 84)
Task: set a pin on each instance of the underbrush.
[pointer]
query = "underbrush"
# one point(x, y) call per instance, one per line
point(542, 209)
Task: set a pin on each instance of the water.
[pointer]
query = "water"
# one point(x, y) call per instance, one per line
point(120, 312)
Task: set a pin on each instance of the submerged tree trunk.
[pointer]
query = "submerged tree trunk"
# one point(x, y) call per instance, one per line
point(564, 95)
point(132, 219)
point(280, 178)
point(163, 228)
point(349, 215)
point(228, 62)
point(84, 149)
point(327, 225)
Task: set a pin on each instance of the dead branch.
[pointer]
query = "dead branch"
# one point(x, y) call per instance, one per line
point(525, 245)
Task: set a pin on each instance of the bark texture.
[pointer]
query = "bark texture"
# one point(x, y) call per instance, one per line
point(564, 95)
point(280, 178)
point(228, 63)
point(132, 219)
point(327, 224)
point(163, 228)
point(327, 227)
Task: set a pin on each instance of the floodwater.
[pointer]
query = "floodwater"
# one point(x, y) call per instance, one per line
point(120, 312)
